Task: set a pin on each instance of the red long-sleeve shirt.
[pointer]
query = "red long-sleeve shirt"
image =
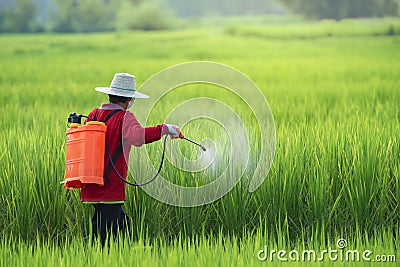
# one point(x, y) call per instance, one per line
point(123, 125)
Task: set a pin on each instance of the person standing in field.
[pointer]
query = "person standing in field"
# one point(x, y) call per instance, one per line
point(123, 131)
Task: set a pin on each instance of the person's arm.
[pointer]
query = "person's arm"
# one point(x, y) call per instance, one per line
point(136, 135)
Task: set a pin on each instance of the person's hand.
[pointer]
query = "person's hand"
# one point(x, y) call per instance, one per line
point(173, 131)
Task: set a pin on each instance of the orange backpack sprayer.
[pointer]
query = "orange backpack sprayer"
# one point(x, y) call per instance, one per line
point(84, 157)
point(85, 149)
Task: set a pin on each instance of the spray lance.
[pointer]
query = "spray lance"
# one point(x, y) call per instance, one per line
point(180, 135)
point(187, 139)
point(86, 146)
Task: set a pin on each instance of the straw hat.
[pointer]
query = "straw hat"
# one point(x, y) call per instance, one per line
point(123, 84)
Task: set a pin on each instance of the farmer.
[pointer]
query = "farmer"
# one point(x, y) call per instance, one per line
point(123, 130)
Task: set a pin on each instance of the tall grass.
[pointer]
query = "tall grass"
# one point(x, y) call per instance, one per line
point(336, 171)
point(221, 250)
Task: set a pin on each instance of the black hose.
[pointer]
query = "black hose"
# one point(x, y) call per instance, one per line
point(120, 176)
point(147, 182)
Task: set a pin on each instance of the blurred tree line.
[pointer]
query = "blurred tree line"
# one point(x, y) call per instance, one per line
point(108, 15)
point(340, 9)
point(20, 18)
point(85, 15)
point(184, 8)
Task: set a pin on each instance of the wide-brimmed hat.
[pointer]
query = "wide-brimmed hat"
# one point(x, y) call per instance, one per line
point(123, 84)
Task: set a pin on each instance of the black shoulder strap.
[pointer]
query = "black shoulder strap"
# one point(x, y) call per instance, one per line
point(108, 116)
point(113, 159)
point(117, 152)
point(111, 114)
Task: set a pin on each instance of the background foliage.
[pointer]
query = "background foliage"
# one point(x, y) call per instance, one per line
point(107, 15)
point(339, 9)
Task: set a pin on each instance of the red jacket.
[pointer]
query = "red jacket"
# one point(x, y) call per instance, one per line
point(134, 134)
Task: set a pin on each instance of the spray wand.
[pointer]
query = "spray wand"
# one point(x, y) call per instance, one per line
point(181, 136)
point(187, 139)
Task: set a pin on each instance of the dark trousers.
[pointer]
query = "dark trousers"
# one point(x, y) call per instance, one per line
point(109, 220)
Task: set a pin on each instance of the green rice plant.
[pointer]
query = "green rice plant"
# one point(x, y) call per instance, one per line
point(335, 174)
point(222, 250)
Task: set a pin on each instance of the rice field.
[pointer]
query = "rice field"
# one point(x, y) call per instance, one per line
point(335, 174)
